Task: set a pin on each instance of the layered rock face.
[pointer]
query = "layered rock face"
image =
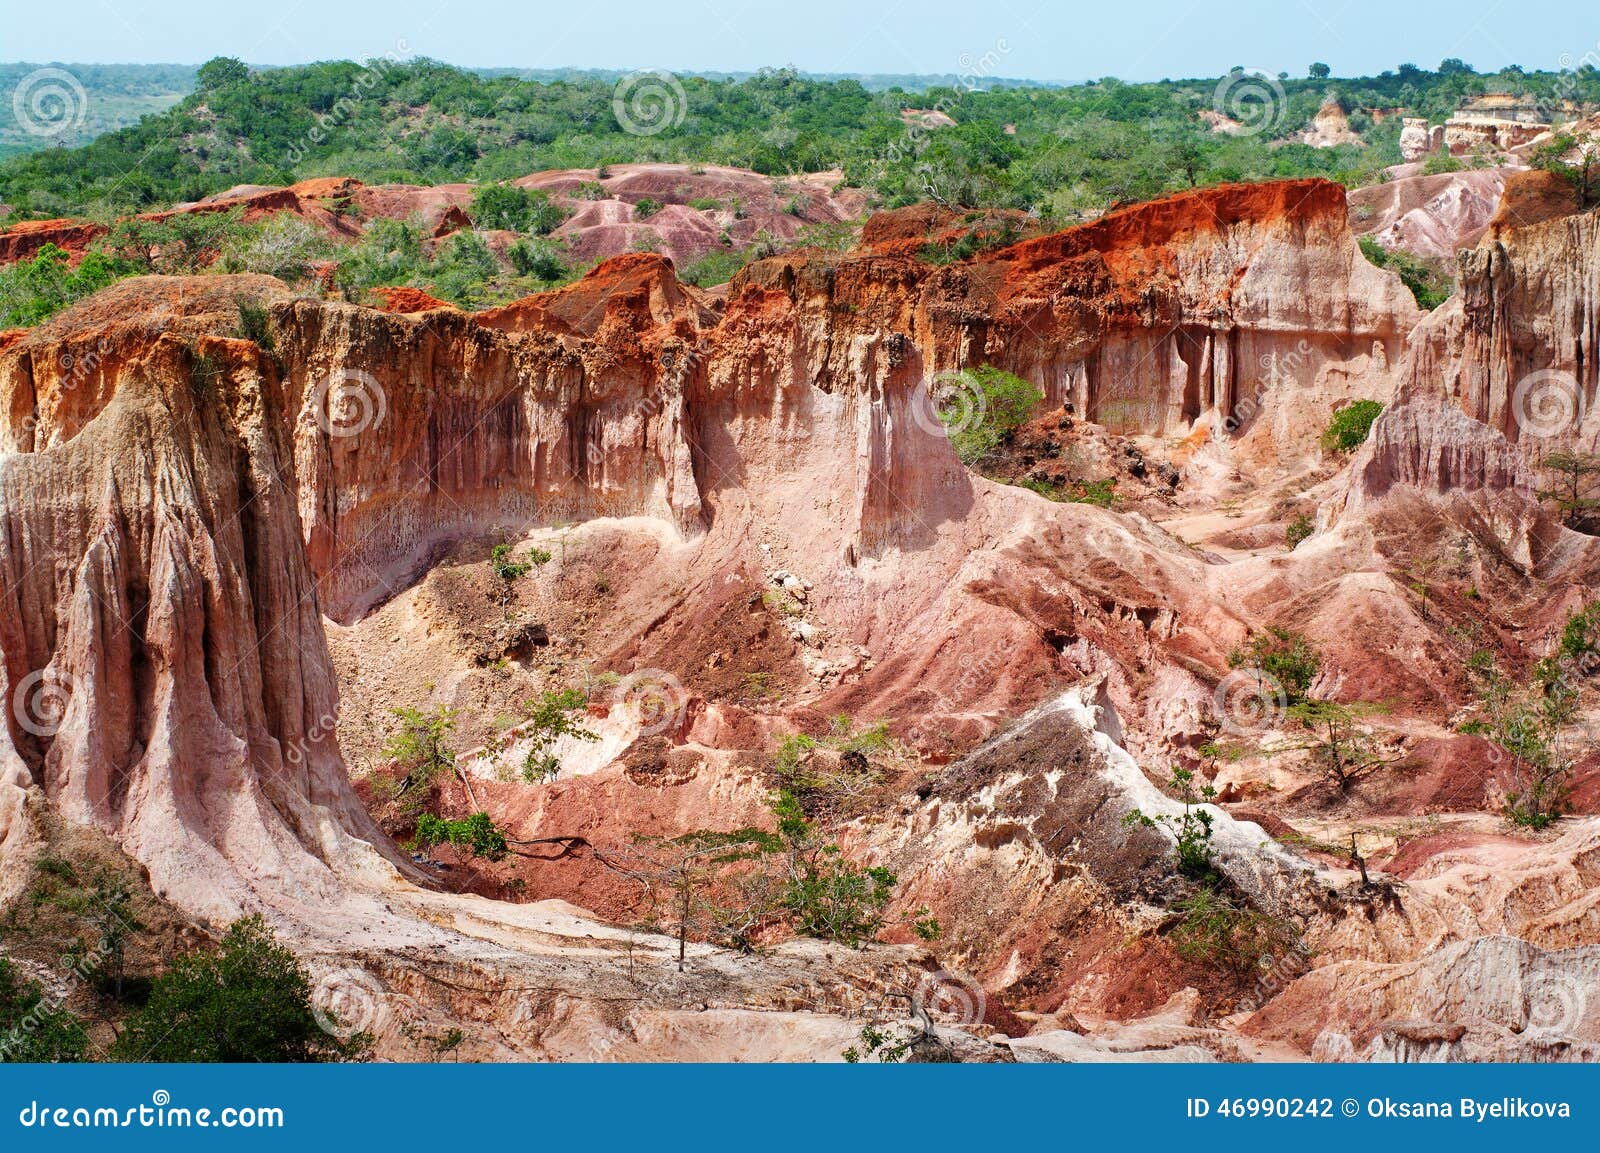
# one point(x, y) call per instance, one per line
point(164, 666)
point(1516, 348)
point(1166, 313)
point(181, 507)
point(1429, 216)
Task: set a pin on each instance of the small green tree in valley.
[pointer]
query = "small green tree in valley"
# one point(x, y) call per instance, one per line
point(508, 570)
point(1302, 527)
point(551, 718)
point(1341, 746)
point(187, 242)
point(1422, 574)
point(108, 907)
point(1572, 488)
point(1286, 656)
point(1215, 929)
point(540, 259)
point(1531, 724)
point(420, 747)
point(247, 1001)
point(827, 895)
point(477, 834)
point(678, 874)
point(1191, 829)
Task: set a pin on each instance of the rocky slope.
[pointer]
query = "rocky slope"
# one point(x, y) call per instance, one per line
point(1428, 216)
point(180, 509)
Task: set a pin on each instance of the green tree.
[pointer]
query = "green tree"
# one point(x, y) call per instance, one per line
point(1430, 283)
point(388, 253)
point(982, 408)
point(1319, 71)
point(551, 717)
point(540, 260)
point(1286, 656)
point(1572, 492)
point(1215, 929)
point(1344, 750)
point(1350, 425)
point(828, 896)
point(248, 1001)
point(478, 834)
point(420, 747)
point(182, 244)
point(220, 72)
point(678, 873)
point(32, 291)
point(1532, 724)
point(1191, 829)
point(508, 570)
point(514, 209)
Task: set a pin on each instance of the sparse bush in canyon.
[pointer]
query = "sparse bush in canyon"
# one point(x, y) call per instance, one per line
point(1191, 829)
point(1300, 528)
point(1533, 724)
point(551, 718)
point(1350, 426)
point(1344, 749)
point(1573, 483)
point(1282, 654)
point(1428, 281)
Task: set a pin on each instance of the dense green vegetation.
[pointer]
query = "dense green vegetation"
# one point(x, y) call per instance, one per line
point(250, 1000)
point(1072, 149)
point(32, 1028)
point(982, 408)
point(1350, 426)
point(1062, 153)
point(32, 290)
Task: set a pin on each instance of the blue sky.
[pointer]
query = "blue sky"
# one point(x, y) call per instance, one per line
point(1037, 39)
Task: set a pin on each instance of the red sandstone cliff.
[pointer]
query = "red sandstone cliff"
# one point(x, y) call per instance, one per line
point(180, 507)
